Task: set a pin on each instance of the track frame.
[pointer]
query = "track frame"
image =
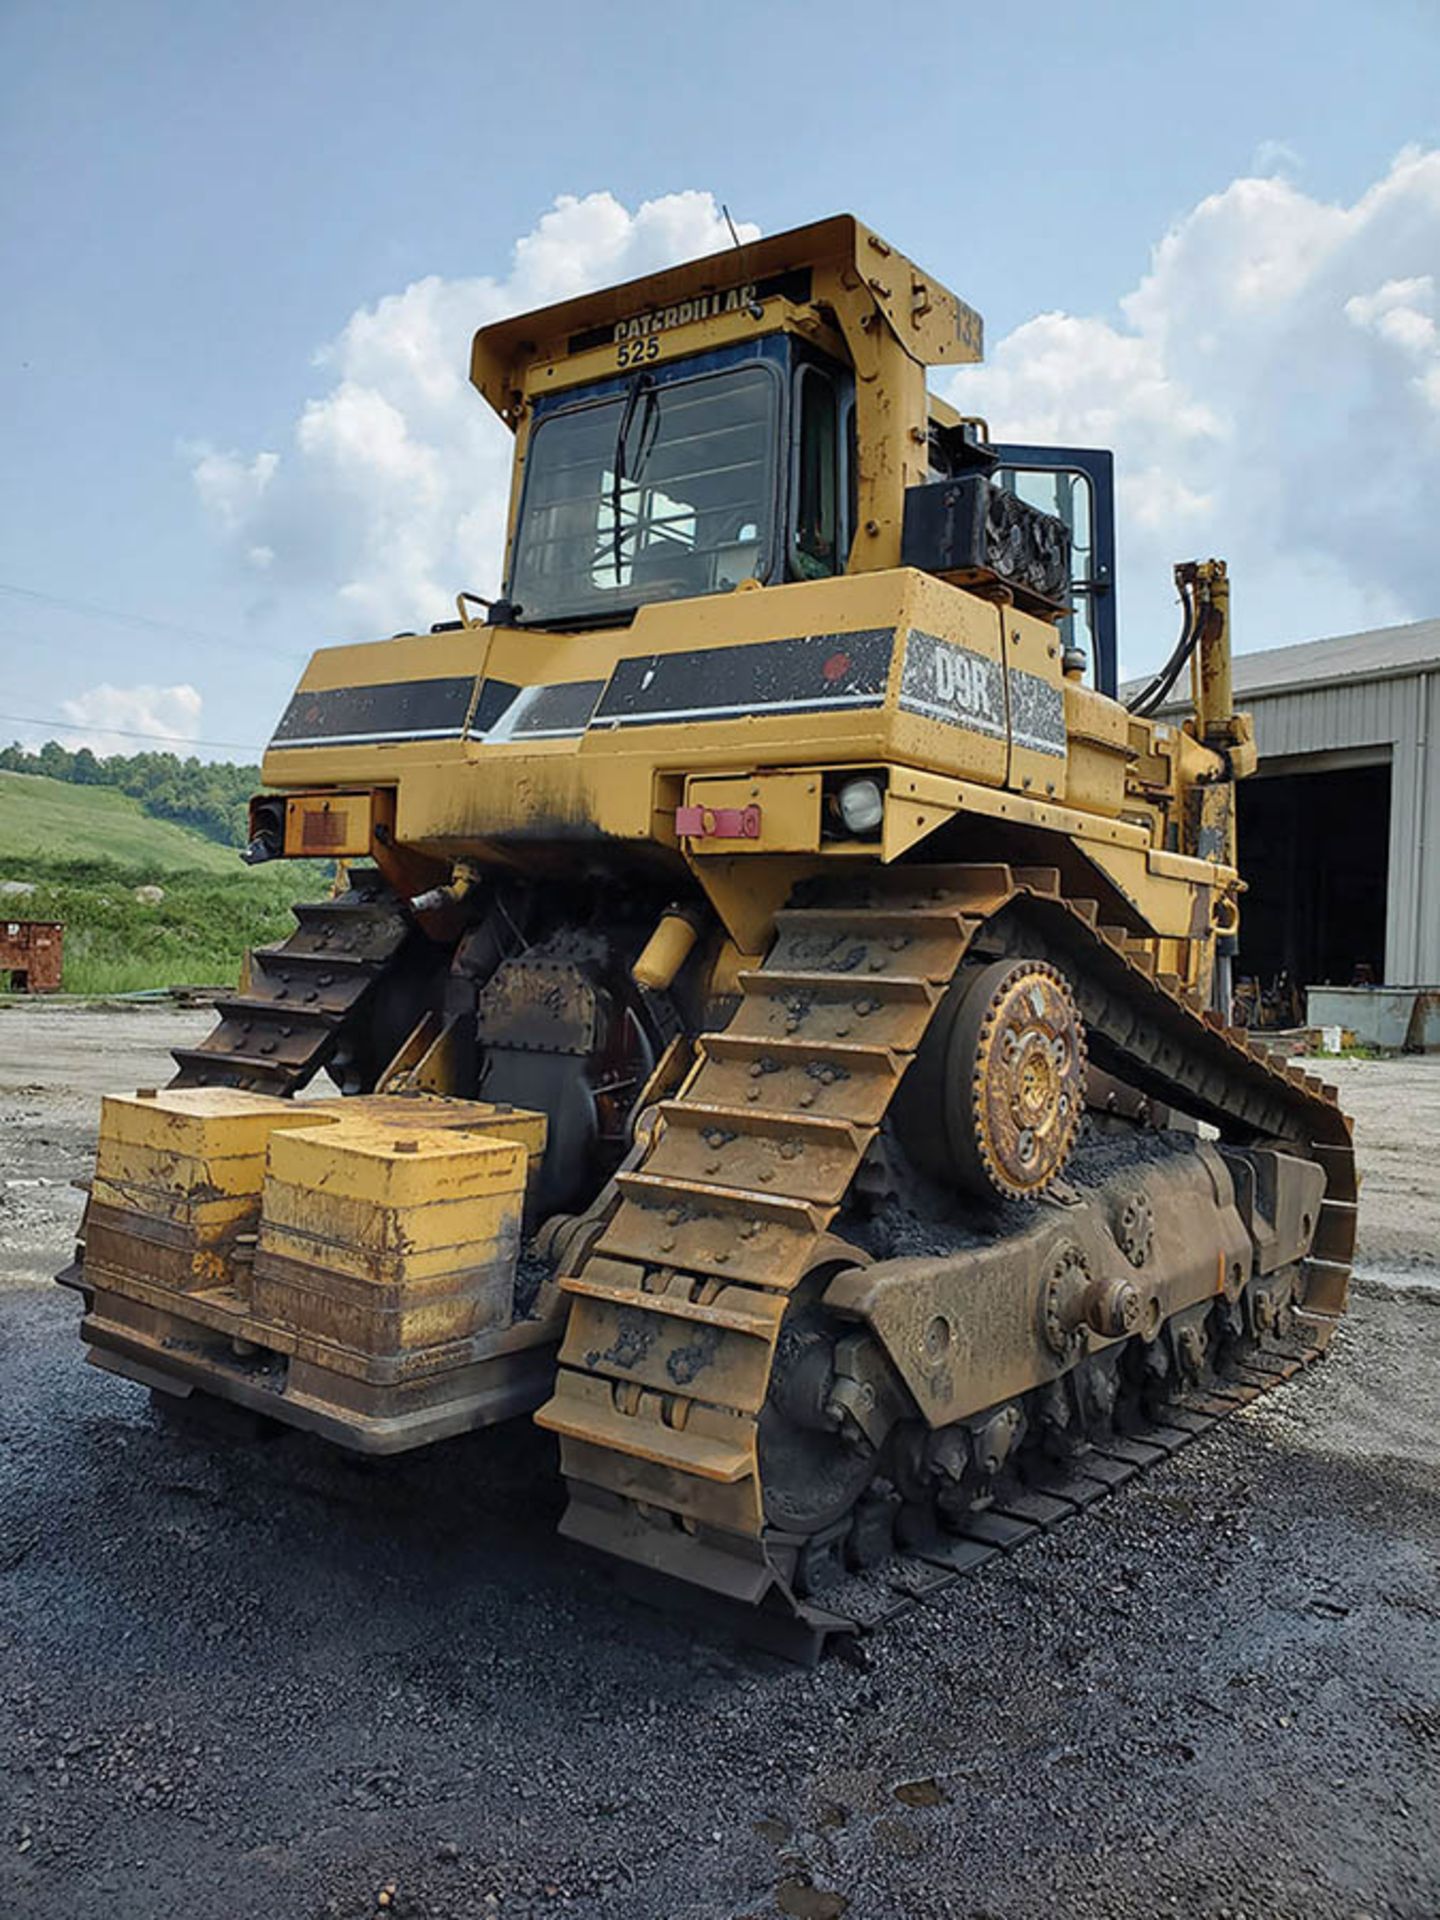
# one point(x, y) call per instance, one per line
point(678, 1300)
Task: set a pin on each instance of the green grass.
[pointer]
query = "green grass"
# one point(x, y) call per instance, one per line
point(50, 820)
point(86, 850)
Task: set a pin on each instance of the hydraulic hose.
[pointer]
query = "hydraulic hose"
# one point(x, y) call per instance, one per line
point(1153, 696)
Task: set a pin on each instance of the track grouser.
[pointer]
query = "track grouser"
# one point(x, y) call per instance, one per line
point(777, 1002)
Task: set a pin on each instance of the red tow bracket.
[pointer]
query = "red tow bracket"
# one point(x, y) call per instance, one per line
point(718, 823)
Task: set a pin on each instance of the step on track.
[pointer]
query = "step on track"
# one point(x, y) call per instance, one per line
point(306, 998)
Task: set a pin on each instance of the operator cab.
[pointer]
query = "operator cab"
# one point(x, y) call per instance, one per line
point(681, 479)
point(762, 416)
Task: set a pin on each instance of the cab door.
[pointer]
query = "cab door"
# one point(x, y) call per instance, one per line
point(1077, 485)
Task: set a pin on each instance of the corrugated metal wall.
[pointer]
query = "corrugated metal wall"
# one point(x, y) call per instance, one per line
point(1402, 714)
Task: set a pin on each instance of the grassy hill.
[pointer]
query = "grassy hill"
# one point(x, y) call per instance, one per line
point(85, 850)
point(49, 820)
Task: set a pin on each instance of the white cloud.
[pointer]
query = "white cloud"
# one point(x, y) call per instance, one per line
point(232, 488)
point(108, 719)
point(393, 494)
point(1271, 390)
point(1401, 314)
point(1272, 394)
point(1275, 156)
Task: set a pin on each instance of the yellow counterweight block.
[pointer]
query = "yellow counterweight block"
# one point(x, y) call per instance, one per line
point(384, 1239)
point(345, 1265)
point(176, 1195)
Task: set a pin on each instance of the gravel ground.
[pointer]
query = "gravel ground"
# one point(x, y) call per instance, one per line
point(239, 1679)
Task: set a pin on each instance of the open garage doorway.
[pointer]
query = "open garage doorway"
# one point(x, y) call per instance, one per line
point(1314, 853)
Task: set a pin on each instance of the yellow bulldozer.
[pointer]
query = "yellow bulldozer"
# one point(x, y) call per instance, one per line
point(779, 1010)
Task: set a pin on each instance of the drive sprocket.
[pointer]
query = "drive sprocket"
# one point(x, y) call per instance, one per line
point(994, 1101)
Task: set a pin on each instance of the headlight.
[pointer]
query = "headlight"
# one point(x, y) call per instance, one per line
point(862, 807)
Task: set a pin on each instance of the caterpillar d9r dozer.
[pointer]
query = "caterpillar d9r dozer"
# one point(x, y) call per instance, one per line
point(781, 1023)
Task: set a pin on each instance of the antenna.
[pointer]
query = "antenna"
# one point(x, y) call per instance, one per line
point(730, 223)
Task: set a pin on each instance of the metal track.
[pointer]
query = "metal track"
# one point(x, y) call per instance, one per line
point(1039, 1500)
point(306, 998)
point(678, 1303)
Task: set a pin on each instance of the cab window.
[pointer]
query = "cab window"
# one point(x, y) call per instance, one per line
point(815, 535)
point(662, 490)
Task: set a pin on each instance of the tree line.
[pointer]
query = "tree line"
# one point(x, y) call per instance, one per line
point(209, 795)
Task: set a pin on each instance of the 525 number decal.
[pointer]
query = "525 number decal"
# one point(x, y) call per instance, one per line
point(630, 353)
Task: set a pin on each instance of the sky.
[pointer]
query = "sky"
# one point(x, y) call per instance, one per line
point(244, 247)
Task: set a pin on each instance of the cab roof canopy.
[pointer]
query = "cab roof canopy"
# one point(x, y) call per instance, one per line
point(851, 271)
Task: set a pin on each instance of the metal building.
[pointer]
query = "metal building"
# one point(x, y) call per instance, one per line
point(1340, 828)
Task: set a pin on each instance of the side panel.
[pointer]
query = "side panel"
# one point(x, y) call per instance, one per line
point(532, 737)
point(1035, 692)
point(951, 710)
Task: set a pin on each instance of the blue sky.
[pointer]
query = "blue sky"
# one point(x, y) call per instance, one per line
point(195, 201)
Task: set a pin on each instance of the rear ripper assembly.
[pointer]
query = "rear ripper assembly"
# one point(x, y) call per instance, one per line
point(781, 1018)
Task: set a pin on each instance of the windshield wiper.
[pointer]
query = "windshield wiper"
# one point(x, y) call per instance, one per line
point(642, 386)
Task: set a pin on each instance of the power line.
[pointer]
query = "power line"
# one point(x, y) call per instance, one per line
point(121, 618)
point(126, 733)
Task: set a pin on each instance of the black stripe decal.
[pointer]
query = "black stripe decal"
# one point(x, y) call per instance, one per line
point(807, 675)
point(814, 673)
point(393, 710)
point(548, 712)
point(495, 697)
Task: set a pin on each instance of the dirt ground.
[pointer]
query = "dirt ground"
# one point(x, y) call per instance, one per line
point(240, 1680)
